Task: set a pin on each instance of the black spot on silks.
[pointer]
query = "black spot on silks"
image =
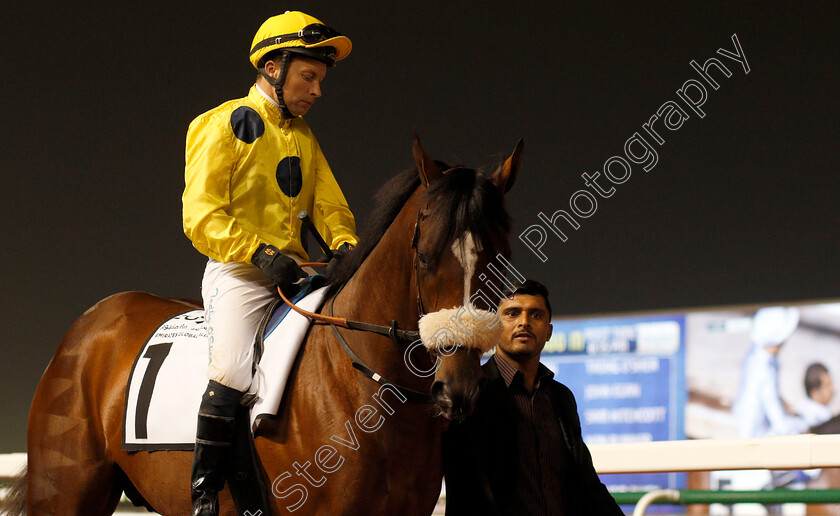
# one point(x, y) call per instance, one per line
point(246, 124)
point(289, 176)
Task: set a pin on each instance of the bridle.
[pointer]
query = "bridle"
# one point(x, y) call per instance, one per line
point(418, 257)
point(393, 331)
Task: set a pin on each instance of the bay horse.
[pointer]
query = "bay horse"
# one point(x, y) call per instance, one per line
point(405, 265)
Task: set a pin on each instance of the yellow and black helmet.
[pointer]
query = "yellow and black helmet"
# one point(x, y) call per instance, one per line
point(299, 33)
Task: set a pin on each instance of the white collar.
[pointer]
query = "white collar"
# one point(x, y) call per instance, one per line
point(267, 96)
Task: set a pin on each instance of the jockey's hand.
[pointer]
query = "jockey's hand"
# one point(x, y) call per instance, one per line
point(338, 255)
point(281, 269)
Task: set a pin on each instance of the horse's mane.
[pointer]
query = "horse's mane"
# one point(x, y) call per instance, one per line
point(390, 199)
point(464, 199)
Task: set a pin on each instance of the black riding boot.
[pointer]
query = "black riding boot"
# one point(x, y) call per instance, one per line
point(213, 439)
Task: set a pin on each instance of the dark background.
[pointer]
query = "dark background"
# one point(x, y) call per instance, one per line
point(741, 207)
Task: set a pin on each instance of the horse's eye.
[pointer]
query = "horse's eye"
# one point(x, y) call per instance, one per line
point(422, 258)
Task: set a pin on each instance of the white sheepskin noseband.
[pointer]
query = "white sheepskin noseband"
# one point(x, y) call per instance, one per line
point(460, 327)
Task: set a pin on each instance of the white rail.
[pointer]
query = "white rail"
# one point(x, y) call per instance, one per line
point(781, 452)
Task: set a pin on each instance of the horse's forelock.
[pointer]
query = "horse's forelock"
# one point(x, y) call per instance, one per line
point(464, 201)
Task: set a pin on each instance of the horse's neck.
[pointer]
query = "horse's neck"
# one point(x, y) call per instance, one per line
point(381, 291)
point(383, 288)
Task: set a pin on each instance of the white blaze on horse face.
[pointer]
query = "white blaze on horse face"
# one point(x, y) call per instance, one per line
point(466, 253)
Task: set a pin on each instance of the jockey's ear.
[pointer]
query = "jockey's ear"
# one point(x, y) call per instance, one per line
point(426, 166)
point(505, 176)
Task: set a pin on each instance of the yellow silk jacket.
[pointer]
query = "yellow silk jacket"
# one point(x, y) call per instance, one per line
point(248, 174)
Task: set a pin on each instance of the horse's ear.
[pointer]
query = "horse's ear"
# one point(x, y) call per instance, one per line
point(505, 176)
point(426, 166)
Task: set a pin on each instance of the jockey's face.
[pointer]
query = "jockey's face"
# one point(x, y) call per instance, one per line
point(303, 84)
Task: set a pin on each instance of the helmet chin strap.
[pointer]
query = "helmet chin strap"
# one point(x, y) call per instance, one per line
point(278, 84)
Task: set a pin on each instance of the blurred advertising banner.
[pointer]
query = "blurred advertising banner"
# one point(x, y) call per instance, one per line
point(746, 371)
point(628, 377)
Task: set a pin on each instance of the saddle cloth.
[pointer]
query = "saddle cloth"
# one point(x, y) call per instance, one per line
point(169, 375)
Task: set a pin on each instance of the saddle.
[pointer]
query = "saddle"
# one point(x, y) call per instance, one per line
point(169, 376)
point(244, 477)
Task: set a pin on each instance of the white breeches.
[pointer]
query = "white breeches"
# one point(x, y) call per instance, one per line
point(235, 298)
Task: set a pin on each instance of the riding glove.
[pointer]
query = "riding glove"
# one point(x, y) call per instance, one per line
point(281, 269)
point(338, 256)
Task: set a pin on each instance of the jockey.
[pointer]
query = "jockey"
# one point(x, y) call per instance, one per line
point(251, 165)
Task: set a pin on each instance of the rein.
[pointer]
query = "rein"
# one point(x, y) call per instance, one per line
point(313, 264)
point(389, 331)
point(392, 331)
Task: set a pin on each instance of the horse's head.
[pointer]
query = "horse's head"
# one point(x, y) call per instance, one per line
point(460, 231)
point(433, 244)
